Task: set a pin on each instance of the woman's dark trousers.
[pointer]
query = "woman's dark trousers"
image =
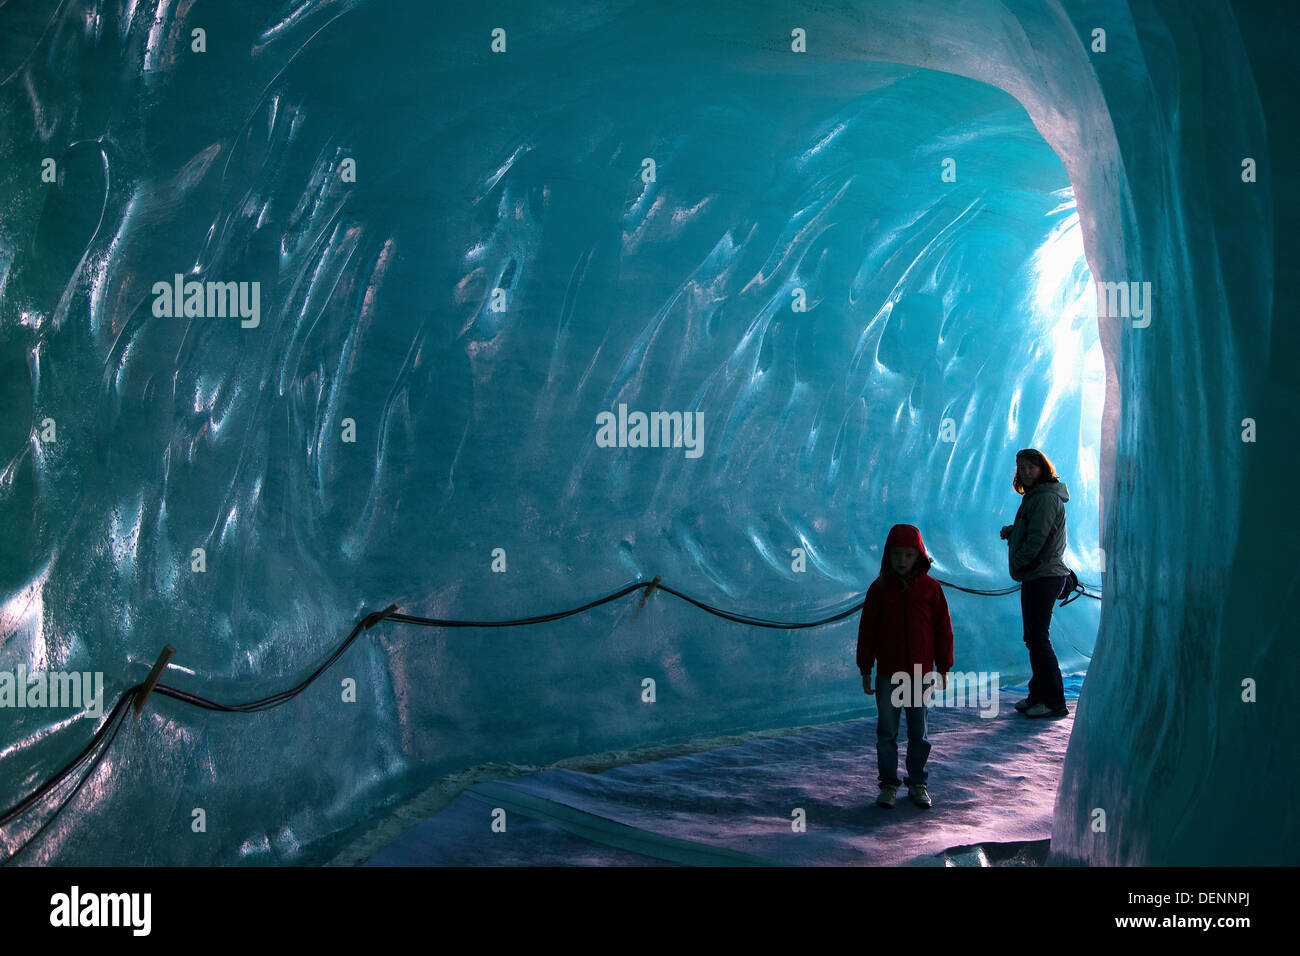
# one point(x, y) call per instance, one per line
point(1036, 600)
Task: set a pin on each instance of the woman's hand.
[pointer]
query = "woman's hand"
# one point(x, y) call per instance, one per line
point(1006, 531)
point(866, 685)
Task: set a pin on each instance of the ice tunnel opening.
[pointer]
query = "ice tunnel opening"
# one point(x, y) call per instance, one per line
point(1040, 360)
point(892, 312)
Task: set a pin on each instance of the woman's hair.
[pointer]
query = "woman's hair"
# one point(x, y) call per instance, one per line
point(1046, 468)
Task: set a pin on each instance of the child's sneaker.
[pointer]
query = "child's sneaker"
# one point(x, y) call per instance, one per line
point(920, 796)
point(887, 794)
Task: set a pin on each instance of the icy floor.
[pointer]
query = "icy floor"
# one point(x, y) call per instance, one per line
point(993, 781)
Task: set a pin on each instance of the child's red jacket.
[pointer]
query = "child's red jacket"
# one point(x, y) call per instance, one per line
point(900, 627)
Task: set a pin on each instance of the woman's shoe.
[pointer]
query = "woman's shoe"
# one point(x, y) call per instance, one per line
point(1041, 710)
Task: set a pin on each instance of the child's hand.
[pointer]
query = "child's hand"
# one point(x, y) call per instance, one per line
point(1006, 531)
point(866, 685)
point(940, 680)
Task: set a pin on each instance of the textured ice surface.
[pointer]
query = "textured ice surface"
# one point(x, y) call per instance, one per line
point(475, 428)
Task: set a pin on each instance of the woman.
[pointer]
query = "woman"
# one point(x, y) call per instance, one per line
point(1035, 548)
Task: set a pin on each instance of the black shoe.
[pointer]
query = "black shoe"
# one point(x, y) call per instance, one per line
point(1042, 710)
point(1024, 705)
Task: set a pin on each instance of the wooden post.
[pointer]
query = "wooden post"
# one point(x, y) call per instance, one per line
point(645, 597)
point(152, 680)
point(370, 620)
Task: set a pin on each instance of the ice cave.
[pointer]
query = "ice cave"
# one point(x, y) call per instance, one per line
point(321, 317)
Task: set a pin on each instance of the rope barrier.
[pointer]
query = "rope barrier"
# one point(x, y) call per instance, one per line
point(108, 730)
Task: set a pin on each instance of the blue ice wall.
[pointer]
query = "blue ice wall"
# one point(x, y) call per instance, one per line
point(945, 325)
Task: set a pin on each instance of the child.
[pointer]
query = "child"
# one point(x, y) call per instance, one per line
point(905, 626)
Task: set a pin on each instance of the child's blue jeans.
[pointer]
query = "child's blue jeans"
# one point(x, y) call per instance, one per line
point(918, 746)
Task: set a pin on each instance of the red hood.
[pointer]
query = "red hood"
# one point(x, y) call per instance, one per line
point(905, 536)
